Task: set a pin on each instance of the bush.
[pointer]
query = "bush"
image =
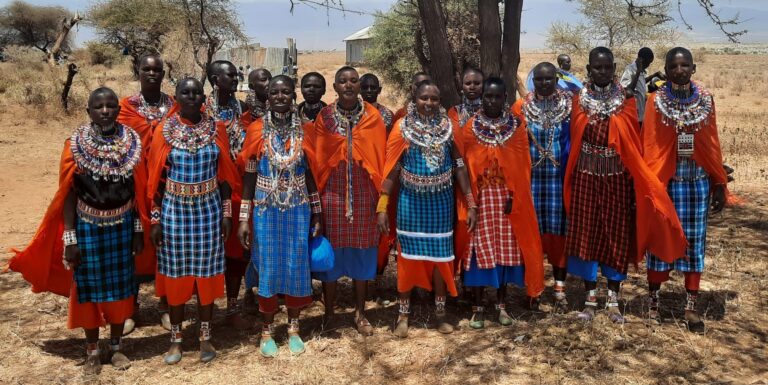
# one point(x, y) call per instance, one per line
point(104, 54)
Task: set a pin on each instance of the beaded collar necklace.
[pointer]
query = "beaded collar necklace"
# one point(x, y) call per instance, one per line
point(386, 114)
point(189, 137)
point(345, 120)
point(281, 162)
point(229, 113)
point(467, 109)
point(688, 110)
point(154, 112)
point(601, 102)
point(428, 133)
point(258, 109)
point(106, 158)
point(494, 132)
point(314, 107)
point(547, 112)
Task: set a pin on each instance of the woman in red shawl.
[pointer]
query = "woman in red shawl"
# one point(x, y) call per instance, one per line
point(96, 212)
point(682, 148)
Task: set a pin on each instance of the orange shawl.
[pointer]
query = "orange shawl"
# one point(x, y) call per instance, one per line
point(158, 155)
point(658, 228)
point(131, 117)
point(660, 144)
point(369, 140)
point(254, 141)
point(233, 248)
point(399, 114)
point(514, 161)
point(40, 262)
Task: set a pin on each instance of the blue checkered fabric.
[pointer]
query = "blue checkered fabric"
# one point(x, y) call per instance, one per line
point(280, 252)
point(192, 243)
point(690, 195)
point(425, 213)
point(105, 272)
point(547, 180)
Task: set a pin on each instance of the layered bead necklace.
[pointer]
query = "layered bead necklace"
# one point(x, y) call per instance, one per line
point(467, 109)
point(106, 157)
point(601, 102)
point(688, 110)
point(309, 107)
point(548, 113)
point(189, 137)
point(230, 113)
point(386, 114)
point(343, 122)
point(154, 112)
point(428, 133)
point(494, 132)
point(282, 163)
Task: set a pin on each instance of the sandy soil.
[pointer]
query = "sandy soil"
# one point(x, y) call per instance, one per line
point(540, 348)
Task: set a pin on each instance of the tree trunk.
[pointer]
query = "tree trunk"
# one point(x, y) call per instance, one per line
point(66, 26)
point(490, 37)
point(510, 51)
point(441, 60)
point(71, 72)
point(419, 44)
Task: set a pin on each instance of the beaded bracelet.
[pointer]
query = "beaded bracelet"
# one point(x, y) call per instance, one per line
point(226, 208)
point(251, 166)
point(314, 203)
point(245, 210)
point(471, 201)
point(459, 162)
point(69, 237)
point(154, 217)
point(381, 207)
point(137, 227)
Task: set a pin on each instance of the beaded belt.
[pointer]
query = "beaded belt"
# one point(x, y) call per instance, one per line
point(265, 183)
point(426, 183)
point(99, 217)
point(599, 160)
point(191, 189)
point(689, 178)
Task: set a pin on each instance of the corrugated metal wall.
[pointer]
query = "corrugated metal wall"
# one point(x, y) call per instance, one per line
point(355, 51)
point(273, 59)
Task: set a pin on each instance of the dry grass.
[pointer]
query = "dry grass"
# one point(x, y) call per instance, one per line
point(539, 349)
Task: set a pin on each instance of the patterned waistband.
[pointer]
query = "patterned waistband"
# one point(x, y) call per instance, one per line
point(266, 183)
point(99, 217)
point(599, 160)
point(689, 178)
point(426, 183)
point(191, 189)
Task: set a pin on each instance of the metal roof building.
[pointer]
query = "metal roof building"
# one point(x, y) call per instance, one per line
point(357, 43)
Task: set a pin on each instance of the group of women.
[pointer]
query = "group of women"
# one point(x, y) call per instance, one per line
point(483, 191)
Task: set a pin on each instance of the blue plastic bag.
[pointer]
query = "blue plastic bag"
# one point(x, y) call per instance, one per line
point(321, 257)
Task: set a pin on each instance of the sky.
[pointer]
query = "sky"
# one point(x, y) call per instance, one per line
point(270, 22)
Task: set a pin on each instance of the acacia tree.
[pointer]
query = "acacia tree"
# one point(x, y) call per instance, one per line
point(34, 26)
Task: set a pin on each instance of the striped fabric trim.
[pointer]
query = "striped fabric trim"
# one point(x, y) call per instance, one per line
point(427, 258)
point(424, 235)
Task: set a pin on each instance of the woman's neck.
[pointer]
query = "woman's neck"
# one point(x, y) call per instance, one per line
point(348, 105)
point(193, 116)
point(151, 96)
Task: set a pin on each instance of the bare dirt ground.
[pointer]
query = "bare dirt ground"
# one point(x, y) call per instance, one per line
point(540, 348)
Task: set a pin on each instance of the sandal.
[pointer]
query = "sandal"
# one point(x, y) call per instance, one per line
point(295, 343)
point(401, 328)
point(612, 304)
point(92, 365)
point(693, 320)
point(267, 346)
point(590, 306)
point(363, 326)
point(478, 318)
point(504, 318)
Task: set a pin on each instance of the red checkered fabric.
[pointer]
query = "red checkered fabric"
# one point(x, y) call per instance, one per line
point(361, 233)
point(602, 219)
point(494, 241)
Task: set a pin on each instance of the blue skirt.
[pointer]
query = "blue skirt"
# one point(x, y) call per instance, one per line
point(359, 264)
point(496, 277)
point(587, 270)
point(105, 272)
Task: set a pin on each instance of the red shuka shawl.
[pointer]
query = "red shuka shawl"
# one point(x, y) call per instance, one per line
point(369, 139)
point(660, 146)
point(514, 159)
point(40, 263)
point(158, 155)
point(658, 228)
point(131, 117)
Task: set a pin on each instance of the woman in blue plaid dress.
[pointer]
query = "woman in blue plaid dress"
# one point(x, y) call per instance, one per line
point(682, 148)
point(191, 175)
point(421, 156)
point(280, 188)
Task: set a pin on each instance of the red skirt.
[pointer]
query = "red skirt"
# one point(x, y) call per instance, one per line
point(92, 315)
point(180, 290)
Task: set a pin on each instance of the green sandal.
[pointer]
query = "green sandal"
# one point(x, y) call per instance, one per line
point(478, 318)
point(268, 347)
point(295, 344)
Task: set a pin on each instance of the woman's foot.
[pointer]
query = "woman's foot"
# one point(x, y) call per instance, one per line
point(401, 328)
point(207, 351)
point(478, 318)
point(590, 306)
point(504, 317)
point(173, 356)
point(92, 365)
point(295, 343)
point(560, 301)
point(612, 304)
point(693, 320)
point(129, 326)
point(654, 317)
point(267, 346)
point(119, 361)
point(534, 303)
point(363, 326)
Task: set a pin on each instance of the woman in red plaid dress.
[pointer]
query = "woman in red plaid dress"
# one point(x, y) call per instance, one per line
point(505, 247)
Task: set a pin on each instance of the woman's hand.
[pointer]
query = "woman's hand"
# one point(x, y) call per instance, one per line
point(382, 221)
point(316, 229)
point(156, 235)
point(718, 199)
point(244, 235)
point(226, 228)
point(508, 206)
point(472, 219)
point(138, 243)
point(71, 256)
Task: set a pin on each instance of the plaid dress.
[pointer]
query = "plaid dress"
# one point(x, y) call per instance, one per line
point(280, 252)
point(105, 272)
point(362, 232)
point(602, 221)
point(192, 243)
point(425, 219)
point(547, 180)
point(689, 190)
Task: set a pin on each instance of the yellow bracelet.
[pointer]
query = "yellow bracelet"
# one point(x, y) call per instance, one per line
point(383, 203)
